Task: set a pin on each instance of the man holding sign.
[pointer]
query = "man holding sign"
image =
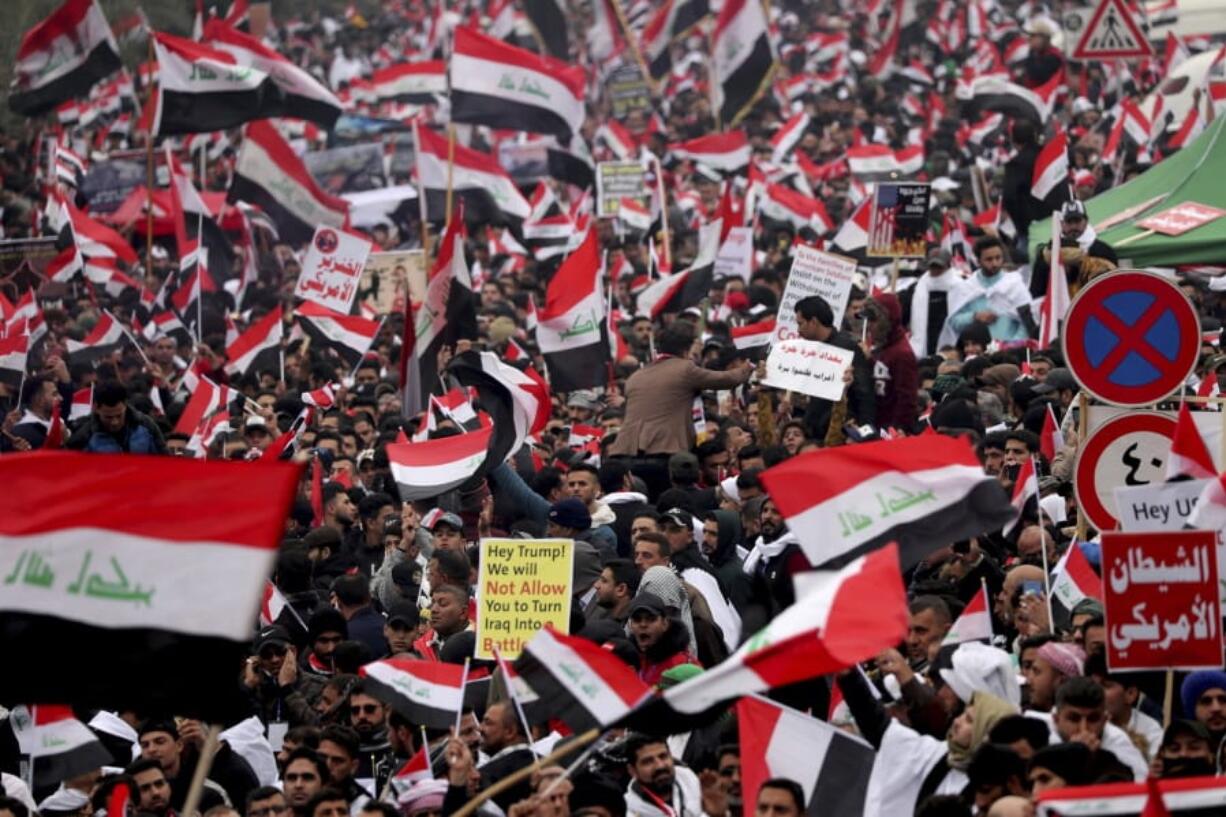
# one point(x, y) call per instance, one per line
point(815, 321)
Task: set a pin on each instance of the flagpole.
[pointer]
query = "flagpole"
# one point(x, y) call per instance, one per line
point(282, 354)
point(201, 254)
point(668, 251)
point(983, 584)
point(425, 747)
point(519, 709)
point(149, 175)
point(450, 171)
point(514, 779)
point(378, 329)
point(203, 764)
point(569, 770)
point(459, 716)
point(422, 209)
point(1051, 625)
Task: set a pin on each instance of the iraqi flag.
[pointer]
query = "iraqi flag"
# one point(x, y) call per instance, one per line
point(349, 336)
point(427, 693)
point(431, 467)
point(82, 404)
point(208, 398)
point(570, 331)
point(202, 89)
point(753, 335)
point(1189, 456)
point(843, 617)
point(14, 351)
point(301, 95)
point(1025, 489)
point(995, 92)
point(107, 336)
point(923, 492)
point(1051, 439)
point(831, 766)
point(60, 746)
point(853, 235)
point(1190, 796)
point(174, 586)
point(1056, 300)
point(448, 313)
point(501, 86)
point(788, 136)
point(587, 686)
point(742, 60)
point(62, 57)
point(517, 402)
point(787, 206)
point(415, 769)
point(975, 622)
point(488, 193)
point(672, 19)
point(416, 83)
point(258, 348)
point(728, 152)
point(270, 175)
point(880, 161)
point(1073, 578)
point(1051, 168)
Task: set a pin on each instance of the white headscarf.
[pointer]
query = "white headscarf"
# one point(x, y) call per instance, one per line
point(663, 583)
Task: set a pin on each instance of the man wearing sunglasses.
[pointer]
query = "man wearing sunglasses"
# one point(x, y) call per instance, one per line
point(368, 717)
point(271, 679)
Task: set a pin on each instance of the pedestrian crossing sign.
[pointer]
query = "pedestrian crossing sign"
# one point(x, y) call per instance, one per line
point(1112, 33)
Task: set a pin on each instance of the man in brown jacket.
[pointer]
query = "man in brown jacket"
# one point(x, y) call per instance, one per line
point(659, 402)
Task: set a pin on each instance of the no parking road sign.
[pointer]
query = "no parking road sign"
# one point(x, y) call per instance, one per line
point(1131, 338)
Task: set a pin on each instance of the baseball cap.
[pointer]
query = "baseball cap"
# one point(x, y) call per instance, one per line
point(432, 520)
point(272, 634)
point(937, 257)
point(402, 613)
point(584, 399)
point(1056, 380)
point(1072, 209)
point(648, 602)
point(406, 574)
point(679, 517)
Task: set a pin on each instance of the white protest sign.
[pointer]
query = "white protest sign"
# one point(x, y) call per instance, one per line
point(735, 257)
point(808, 367)
point(1157, 506)
point(332, 268)
point(814, 273)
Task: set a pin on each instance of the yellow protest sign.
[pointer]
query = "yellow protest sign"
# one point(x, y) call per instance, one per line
point(523, 585)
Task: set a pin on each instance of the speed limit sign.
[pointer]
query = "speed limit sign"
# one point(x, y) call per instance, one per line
point(1129, 449)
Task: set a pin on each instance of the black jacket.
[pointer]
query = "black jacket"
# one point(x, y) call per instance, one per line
point(861, 396)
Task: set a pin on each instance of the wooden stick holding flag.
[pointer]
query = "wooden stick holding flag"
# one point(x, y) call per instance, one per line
point(450, 173)
point(207, 753)
point(149, 102)
point(421, 203)
point(668, 244)
point(1051, 627)
point(511, 780)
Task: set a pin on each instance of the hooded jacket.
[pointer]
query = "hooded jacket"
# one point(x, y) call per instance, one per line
point(728, 563)
point(895, 372)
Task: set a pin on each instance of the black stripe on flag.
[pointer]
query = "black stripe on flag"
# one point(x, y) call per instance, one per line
point(842, 782)
point(583, 368)
point(194, 675)
point(549, 20)
point(290, 228)
point(497, 112)
point(101, 63)
point(216, 110)
point(747, 82)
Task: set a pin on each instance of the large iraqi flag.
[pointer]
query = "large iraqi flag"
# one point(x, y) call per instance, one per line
point(428, 693)
point(501, 86)
point(431, 467)
point(923, 492)
point(570, 331)
point(62, 57)
point(742, 59)
point(157, 597)
point(843, 617)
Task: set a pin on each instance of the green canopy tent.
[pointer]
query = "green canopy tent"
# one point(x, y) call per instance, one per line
point(1197, 173)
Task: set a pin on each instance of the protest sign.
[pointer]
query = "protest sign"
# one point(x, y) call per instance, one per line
point(526, 163)
point(808, 367)
point(628, 92)
point(348, 169)
point(1160, 594)
point(108, 184)
point(735, 256)
point(333, 268)
point(1157, 506)
point(814, 273)
point(618, 180)
point(898, 220)
point(388, 276)
point(1181, 218)
point(524, 584)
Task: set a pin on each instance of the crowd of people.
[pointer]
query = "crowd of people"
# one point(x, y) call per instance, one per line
point(680, 554)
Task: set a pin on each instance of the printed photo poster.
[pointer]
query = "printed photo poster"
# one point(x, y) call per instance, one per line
point(898, 220)
point(388, 277)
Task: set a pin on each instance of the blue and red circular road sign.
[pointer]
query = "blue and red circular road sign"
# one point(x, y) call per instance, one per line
point(1131, 338)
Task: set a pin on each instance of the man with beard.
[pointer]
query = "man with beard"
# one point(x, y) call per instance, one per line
point(302, 779)
point(615, 589)
point(776, 557)
point(368, 717)
point(692, 566)
point(662, 640)
point(729, 768)
point(659, 787)
point(1203, 695)
point(339, 748)
point(504, 742)
point(152, 788)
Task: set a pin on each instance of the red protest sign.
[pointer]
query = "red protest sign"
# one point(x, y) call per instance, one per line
point(1181, 218)
point(1161, 600)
